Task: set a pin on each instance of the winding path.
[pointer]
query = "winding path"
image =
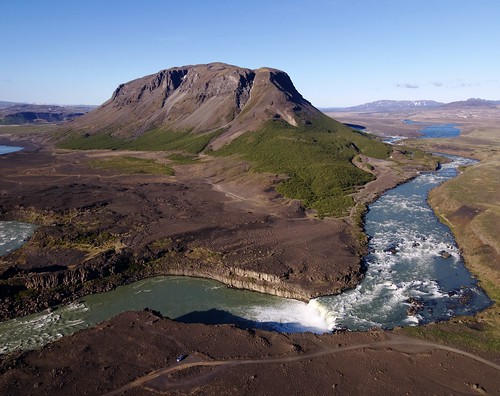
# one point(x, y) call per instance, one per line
point(395, 342)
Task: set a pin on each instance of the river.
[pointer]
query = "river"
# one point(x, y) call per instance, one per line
point(407, 283)
point(415, 273)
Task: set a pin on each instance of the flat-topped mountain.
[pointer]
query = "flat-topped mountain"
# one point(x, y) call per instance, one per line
point(199, 99)
point(223, 110)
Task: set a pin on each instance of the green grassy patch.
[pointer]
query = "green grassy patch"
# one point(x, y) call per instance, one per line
point(463, 333)
point(154, 140)
point(94, 239)
point(90, 243)
point(133, 165)
point(183, 159)
point(27, 129)
point(421, 157)
point(315, 158)
point(205, 255)
point(77, 141)
point(159, 139)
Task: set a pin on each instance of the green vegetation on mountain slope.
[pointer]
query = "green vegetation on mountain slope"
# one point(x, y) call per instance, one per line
point(315, 159)
point(155, 140)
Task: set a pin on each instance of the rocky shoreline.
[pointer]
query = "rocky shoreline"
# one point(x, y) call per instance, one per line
point(45, 290)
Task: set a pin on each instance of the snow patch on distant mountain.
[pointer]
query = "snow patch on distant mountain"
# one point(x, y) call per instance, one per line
point(388, 105)
point(380, 106)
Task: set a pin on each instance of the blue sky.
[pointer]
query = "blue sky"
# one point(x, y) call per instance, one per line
point(337, 52)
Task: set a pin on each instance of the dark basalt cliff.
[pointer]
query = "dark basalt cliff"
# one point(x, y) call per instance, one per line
point(200, 99)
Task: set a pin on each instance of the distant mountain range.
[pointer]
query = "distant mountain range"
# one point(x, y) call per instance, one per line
point(398, 105)
point(4, 104)
point(473, 102)
point(12, 113)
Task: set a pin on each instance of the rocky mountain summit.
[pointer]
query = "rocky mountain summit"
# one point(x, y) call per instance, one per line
point(388, 105)
point(225, 110)
point(199, 99)
point(393, 106)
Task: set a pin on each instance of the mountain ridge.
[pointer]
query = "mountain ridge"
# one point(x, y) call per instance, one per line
point(222, 110)
point(397, 105)
point(473, 102)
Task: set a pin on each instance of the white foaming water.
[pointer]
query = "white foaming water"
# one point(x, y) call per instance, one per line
point(408, 279)
point(13, 234)
point(393, 139)
point(289, 316)
point(143, 291)
point(35, 330)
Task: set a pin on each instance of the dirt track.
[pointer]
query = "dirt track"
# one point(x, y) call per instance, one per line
point(160, 378)
point(135, 354)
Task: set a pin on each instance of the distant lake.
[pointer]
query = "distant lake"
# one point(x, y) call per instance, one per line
point(435, 130)
point(9, 149)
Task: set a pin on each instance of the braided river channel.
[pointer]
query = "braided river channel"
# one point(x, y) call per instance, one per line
point(414, 275)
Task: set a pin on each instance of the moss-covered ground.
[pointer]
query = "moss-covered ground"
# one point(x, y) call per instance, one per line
point(314, 160)
point(154, 140)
